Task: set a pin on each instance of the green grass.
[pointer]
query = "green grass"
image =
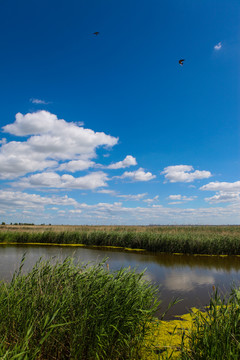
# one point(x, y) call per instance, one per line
point(67, 311)
point(213, 240)
point(216, 334)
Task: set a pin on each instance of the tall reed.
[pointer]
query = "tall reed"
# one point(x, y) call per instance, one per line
point(216, 333)
point(67, 311)
point(188, 240)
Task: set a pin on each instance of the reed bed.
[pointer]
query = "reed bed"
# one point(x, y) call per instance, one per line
point(216, 332)
point(67, 311)
point(212, 240)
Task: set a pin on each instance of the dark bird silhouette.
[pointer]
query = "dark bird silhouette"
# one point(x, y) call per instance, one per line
point(181, 62)
point(96, 33)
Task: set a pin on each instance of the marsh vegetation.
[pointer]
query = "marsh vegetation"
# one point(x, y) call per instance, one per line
point(75, 311)
point(213, 240)
point(67, 311)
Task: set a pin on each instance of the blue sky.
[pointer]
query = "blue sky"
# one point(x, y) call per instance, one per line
point(110, 129)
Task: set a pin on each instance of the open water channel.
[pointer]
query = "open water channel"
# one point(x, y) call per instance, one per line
point(187, 277)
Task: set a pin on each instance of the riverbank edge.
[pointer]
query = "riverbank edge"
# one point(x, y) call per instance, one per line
point(109, 247)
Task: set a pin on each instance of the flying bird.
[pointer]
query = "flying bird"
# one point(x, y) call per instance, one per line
point(96, 33)
point(181, 62)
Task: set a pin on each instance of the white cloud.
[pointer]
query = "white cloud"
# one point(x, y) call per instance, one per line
point(222, 186)
point(175, 197)
point(15, 202)
point(225, 192)
point(184, 173)
point(76, 165)
point(136, 197)
point(218, 46)
point(150, 201)
point(78, 211)
point(3, 141)
point(181, 197)
point(66, 181)
point(107, 191)
point(224, 197)
point(133, 197)
point(21, 200)
point(128, 161)
point(33, 123)
point(17, 159)
point(51, 140)
point(138, 175)
point(38, 101)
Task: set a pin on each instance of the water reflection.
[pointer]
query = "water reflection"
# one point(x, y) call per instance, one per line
point(187, 281)
point(178, 276)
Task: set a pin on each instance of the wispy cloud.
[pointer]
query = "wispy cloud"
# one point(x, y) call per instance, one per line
point(179, 199)
point(224, 197)
point(15, 202)
point(38, 101)
point(218, 46)
point(150, 201)
point(136, 197)
point(107, 191)
point(3, 141)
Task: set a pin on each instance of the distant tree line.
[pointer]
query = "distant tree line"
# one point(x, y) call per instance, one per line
point(31, 224)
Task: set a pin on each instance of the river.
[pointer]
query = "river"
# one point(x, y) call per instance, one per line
point(187, 277)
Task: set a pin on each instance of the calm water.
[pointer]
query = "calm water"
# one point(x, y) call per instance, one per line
point(187, 277)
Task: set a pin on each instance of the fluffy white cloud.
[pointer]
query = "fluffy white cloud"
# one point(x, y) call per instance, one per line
point(222, 186)
point(66, 181)
point(51, 140)
point(138, 175)
point(21, 200)
point(218, 46)
point(184, 173)
point(128, 161)
point(225, 192)
point(76, 165)
point(17, 159)
point(33, 123)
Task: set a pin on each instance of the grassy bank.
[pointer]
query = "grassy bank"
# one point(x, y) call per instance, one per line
point(210, 335)
point(68, 311)
point(217, 240)
point(216, 333)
